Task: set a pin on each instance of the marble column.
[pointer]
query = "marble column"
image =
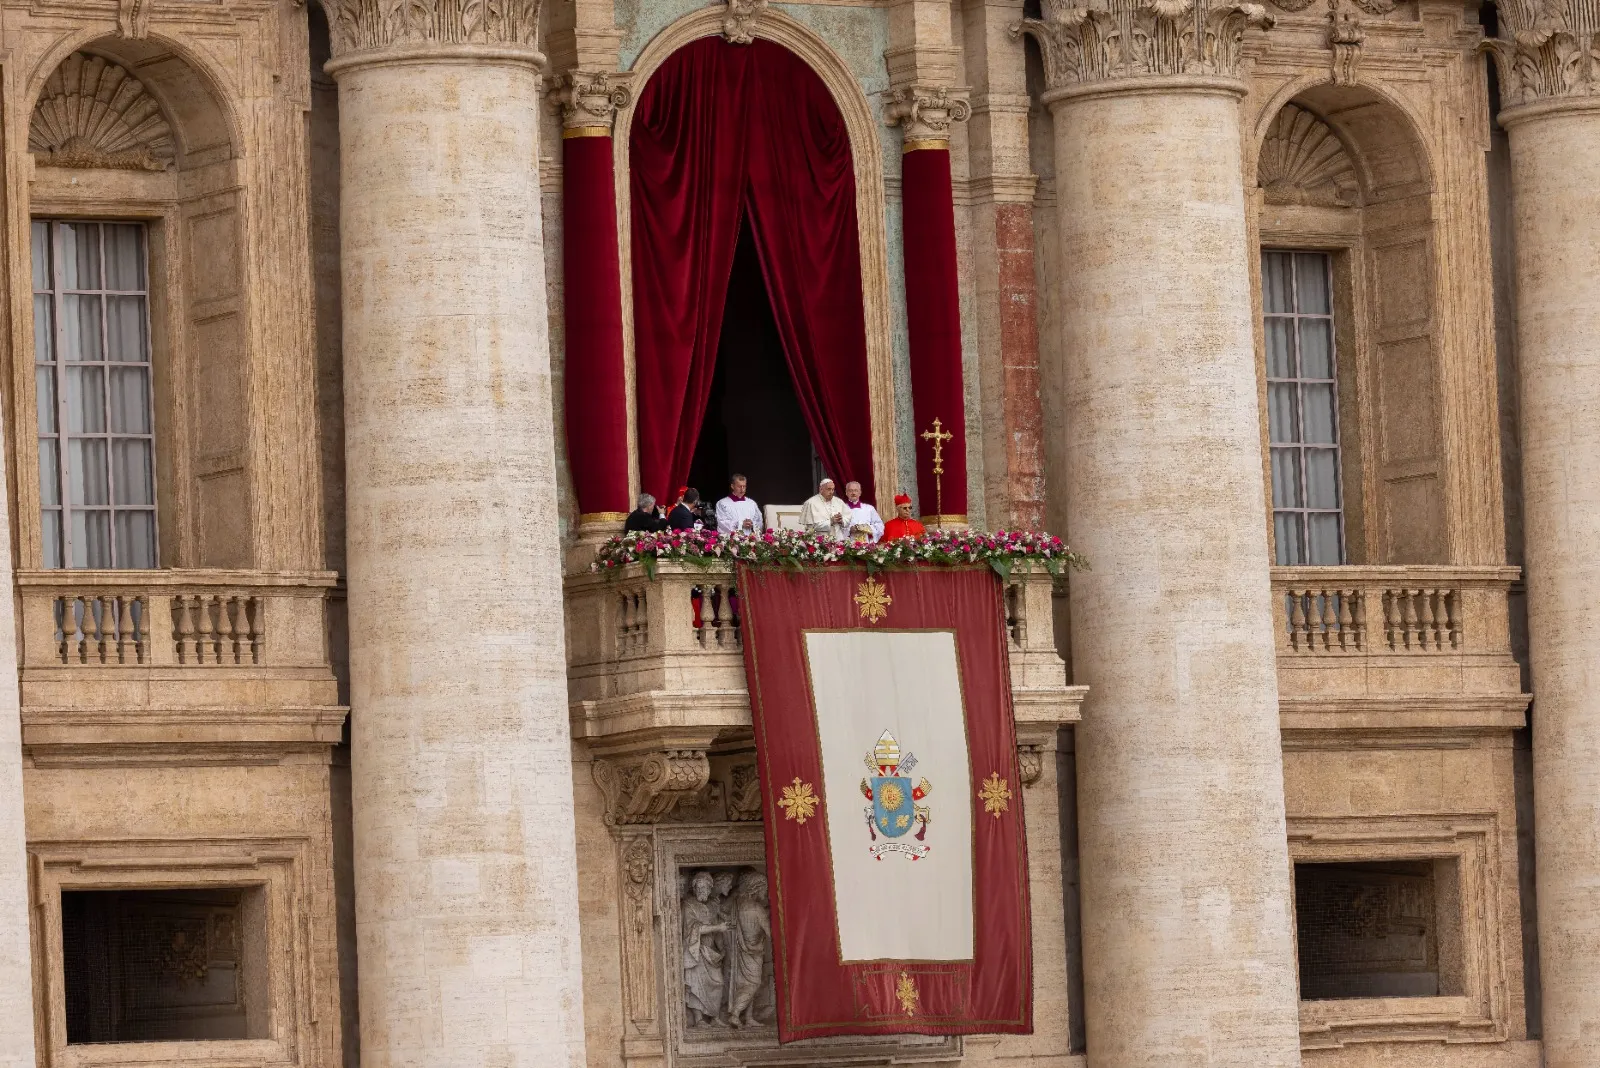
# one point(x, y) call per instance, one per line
point(1188, 944)
point(465, 857)
point(1553, 122)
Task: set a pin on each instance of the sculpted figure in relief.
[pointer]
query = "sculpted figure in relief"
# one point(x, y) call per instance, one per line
point(750, 954)
point(703, 952)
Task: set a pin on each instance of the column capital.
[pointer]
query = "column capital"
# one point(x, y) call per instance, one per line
point(1546, 53)
point(589, 99)
point(925, 113)
point(359, 28)
point(1090, 42)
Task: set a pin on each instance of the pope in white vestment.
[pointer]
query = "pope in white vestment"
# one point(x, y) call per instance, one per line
point(826, 514)
point(866, 525)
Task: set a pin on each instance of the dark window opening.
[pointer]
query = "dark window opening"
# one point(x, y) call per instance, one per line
point(753, 423)
point(163, 965)
point(1379, 930)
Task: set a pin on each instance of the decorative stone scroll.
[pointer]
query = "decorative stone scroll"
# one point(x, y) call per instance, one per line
point(95, 113)
point(1303, 162)
point(1546, 50)
point(1345, 38)
point(1088, 41)
point(925, 112)
point(133, 18)
point(589, 99)
point(739, 20)
point(646, 788)
point(363, 25)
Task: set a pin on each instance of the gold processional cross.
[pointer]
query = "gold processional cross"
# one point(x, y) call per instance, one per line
point(938, 436)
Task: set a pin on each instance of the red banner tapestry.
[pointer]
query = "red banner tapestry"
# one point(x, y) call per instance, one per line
point(892, 801)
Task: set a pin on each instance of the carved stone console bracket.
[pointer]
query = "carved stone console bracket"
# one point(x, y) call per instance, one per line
point(1030, 761)
point(739, 21)
point(925, 113)
point(589, 99)
point(646, 789)
point(1345, 37)
point(1088, 41)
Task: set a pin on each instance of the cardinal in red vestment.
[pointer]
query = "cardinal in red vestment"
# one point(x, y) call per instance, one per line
point(902, 525)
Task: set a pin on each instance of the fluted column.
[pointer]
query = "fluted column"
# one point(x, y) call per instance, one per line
point(1552, 95)
point(594, 384)
point(933, 298)
point(1188, 946)
point(465, 861)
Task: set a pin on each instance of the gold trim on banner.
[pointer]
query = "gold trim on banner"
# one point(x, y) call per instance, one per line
point(906, 991)
point(922, 144)
point(798, 802)
point(995, 795)
point(944, 522)
point(873, 599)
point(585, 131)
point(602, 517)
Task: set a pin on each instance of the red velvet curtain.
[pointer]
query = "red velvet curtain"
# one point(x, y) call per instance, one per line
point(722, 133)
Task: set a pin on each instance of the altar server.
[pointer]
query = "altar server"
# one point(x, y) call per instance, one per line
point(825, 513)
point(737, 513)
point(902, 525)
point(866, 525)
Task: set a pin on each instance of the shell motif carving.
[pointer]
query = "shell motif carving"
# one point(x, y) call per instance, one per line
point(1304, 162)
point(95, 113)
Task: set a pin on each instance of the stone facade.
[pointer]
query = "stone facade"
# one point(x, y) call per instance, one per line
point(470, 794)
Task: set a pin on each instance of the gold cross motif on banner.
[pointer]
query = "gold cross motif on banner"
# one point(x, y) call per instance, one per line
point(938, 435)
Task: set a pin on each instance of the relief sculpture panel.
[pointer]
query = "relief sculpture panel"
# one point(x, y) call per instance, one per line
point(727, 949)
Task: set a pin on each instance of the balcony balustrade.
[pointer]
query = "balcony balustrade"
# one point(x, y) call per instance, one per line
point(187, 658)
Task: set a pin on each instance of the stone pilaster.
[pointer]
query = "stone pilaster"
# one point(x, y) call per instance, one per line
point(465, 862)
point(1549, 84)
point(1187, 940)
point(16, 964)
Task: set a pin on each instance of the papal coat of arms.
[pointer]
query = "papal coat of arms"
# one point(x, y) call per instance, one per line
point(894, 811)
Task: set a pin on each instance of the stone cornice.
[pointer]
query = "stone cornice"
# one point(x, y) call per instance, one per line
point(1546, 51)
point(361, 26)
point(1085, 42)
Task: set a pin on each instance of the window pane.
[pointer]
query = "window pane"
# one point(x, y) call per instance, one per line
point(1276, 294)
point(1324, 548)
point(1280, 348)
point(41, 255)
point(1311, 278)
point(136, 539)
point(80, 255)
point(44, 394)
point(1291, 550)
point(131, 471)
point(1282, 422)
point(91, 539)
point(86, 471)
point(125, 258)
point(86, 402)
point(44, 328)
point(130, 406)
point(49, 471)
point(50, 530)
point(82, 327)
point(125, 329)
point(1322, 478)
point(1319, 414)
point(1286, 478)
point(1316, 348)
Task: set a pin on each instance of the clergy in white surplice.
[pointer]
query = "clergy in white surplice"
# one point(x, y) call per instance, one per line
point(866, 525)
point(826, 514)
point(736, 513)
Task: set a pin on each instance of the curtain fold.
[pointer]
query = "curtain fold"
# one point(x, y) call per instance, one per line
point(722, 132)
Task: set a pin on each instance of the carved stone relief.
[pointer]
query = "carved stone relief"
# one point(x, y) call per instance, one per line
point(1546, 50)
point(589, 98)
point(1345, 38)
point(1303, 162)
point(1084, 42)
point(647, 788)
point(95, 113)
point(925, 112)
point(727, 949)
point(359, 25)
point(740, 18)
point(744, 802)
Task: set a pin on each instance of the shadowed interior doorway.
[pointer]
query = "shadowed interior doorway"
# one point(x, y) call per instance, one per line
point(753, 422)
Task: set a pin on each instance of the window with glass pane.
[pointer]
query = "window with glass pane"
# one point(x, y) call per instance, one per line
point(91, 350)
point(1302, 407)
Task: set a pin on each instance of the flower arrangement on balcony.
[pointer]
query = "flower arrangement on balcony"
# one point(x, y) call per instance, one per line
point(1001, 550)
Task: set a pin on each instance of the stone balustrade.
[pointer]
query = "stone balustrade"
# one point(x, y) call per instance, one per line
point(662, 659)
point(178, 657)
point(1423, 645)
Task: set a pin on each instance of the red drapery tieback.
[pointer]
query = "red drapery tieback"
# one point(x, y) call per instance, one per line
point(724, 132)
point(595, 384)
point(933, 322)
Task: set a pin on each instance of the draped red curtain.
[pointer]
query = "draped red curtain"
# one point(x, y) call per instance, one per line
point(724, 133)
